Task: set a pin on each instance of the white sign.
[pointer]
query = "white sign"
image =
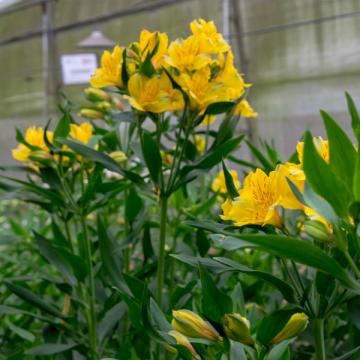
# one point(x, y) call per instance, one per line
point(77, 68)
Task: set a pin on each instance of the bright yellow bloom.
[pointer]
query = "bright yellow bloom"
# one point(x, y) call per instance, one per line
point(213, 42)
point(34, 137)
point(154, 94)
point(321, 145)
point(256, 203)
point(109, 74)
point(186, 55)
point(190, 324)
point(200, 144)
point(295, 174)
point(150, 42)
point(82, 132)
point(230, 78)
point(218, 185)
point(244, 109)
point(296, 325)
point(166, 158)
point(182, 340)
point(237, 328)
point(201, 91)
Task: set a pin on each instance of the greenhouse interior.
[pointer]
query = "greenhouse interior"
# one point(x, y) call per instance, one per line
point(180, 179)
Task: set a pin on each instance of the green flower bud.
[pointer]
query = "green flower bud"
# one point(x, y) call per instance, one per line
point(237, 328)
point(97, 95)
point(190, 324)
point(103, 105)
point(317, 230)
point(296, 325)
point(91, 114)
point(118, 156)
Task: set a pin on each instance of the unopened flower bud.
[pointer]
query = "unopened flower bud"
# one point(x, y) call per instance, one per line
point(91, 114)
point(317, 230)
point(118, 156)
point(40, 156)
point(103, 105)
point(97, 95)
point(296, 325)
point(237, 328)
point(190, 324)
point(182, 340)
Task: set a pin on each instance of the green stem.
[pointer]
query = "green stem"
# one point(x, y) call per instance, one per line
point(91, 292)
point(161, 259)
point(319, 339)
point(352, 264)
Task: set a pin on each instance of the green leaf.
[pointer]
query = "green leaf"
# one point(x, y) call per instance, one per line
point(272, 324)
point(27, 335)
point(342, 151)
point(232, 191)
point(286, 290)
point(280, 351)
point(63, 127)
point(266, 164)
point(35, 300)
point(291, 248)
point(152, 157)
point(102, 159)
point(351, 355)
point(323, 181)
point(124, 72)
point(134, 205)
point(355, 119)
point(109, 321)
point(213, 157)
point(146, 67)
point(49, 349)
point(215, 304)
point(219, 107)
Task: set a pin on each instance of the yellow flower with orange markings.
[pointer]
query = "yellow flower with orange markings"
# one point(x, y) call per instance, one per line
point(219, 185)
point(212, 41)
point(155, 94)
point(256, 203)
point(244, 109)
point(34, 137)
point(153, 43)
point(109, 74)
point(82, 132)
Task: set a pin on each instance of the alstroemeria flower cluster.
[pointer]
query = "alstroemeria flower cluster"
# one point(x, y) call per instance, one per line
point(202, 66)
point(262, 195)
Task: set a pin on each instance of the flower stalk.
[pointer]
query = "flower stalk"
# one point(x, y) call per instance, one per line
point(318, 330)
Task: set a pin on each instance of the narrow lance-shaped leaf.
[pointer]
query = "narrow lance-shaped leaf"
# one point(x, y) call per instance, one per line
point(323, 181)
point(230, 186)
point(342, 150)
point(152, 157)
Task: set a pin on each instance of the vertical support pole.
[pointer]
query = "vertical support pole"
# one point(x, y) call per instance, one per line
point(226, 18)
point(45, 7)
point(243, 58)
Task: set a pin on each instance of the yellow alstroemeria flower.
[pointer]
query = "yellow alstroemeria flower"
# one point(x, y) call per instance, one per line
point(109, 74)
point(155, 94)
point(150, 41)
point(186, 55)
point(230, 78)
point(34, 137)
point(295, 174)
point(296, 325)
point(200, 144)
point(82, 132)
point(202, 92)
point(256, 203)
point(321, 145)
point(244, 109)
point(213, 42)
point(218, 185)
